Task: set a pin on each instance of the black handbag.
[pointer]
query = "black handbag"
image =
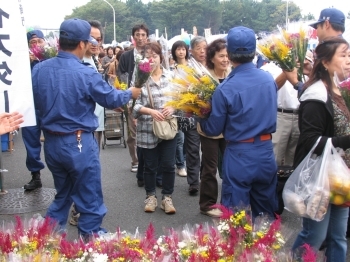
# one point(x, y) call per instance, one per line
point(283, 173)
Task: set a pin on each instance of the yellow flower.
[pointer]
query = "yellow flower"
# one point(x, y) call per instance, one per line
point(248, 227)
point(185, 252)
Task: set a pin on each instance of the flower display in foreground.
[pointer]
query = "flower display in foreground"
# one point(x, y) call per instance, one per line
point(233, 238)
point(191, 91)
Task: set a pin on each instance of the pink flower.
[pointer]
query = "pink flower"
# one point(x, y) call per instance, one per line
point(145, 67)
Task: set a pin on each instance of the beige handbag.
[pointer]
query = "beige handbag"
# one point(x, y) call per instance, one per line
point(165, 129)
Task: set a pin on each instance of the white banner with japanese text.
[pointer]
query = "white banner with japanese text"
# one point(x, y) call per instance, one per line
point(15, 76)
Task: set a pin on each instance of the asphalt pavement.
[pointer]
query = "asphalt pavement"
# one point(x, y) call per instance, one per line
point(123, 198)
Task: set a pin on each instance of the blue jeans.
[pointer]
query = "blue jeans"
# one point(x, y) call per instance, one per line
point(31, 139)
point(163, 157)
point(140, 167)
point(180, 150)
point(332, 229)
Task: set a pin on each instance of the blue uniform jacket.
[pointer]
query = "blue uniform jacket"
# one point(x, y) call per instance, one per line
point(244, 105)
point(66, 90)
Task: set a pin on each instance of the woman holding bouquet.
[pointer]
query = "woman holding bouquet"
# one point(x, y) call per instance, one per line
point(219, 67)
point(156, 152)
point(323, 113)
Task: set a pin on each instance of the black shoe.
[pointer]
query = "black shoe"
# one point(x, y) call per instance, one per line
point(140, 183)
point(193, 189)
point(34, 183)
point(159, 185)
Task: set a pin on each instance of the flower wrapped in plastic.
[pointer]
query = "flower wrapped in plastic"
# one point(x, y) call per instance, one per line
point(143, 70)
point(45, 52)
point(279, 51)
point(299, 42)
point(343, 83)
point(191, 90)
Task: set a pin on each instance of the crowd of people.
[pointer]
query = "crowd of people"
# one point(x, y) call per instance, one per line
point(261, 118)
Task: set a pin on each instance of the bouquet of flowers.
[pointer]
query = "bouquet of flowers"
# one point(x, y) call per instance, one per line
point(278, 51)
point(114, 81)
point(45, 52)
point(143, 71)
point(287, 51)
point(299, 41)
point(191, 90)
point(344, 87)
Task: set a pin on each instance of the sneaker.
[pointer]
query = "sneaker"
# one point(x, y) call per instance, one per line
point(167, 205)
point(134, 168)
point(74, 219)
point(181, 172)
point(151, 203)
point(215, 212)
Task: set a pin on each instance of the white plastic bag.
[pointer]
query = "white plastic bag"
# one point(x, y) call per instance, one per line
point(306, 192)
point(339, 178)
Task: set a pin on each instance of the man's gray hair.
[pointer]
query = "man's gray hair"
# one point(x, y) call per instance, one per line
point(196, 40)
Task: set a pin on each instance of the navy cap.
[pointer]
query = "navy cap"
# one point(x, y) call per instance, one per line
point(77, 29)
point(333, 15)
point(35, 33)
point(241, 40)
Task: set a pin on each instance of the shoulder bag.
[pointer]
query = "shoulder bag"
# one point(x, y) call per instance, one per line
point(165, 129)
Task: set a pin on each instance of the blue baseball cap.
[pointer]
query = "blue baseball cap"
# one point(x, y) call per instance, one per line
point(333, 15)
point(34, 34)
point(77, 29)
point(241, 40)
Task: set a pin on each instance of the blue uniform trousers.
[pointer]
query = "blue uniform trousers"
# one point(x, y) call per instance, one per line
point(31, 139)
point(249, 177)
point(77, 178)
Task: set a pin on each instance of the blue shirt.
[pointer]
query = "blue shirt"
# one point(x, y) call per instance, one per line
point(244, 105)
point(66, 90)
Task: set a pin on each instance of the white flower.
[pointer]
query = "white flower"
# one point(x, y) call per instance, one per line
point(181, 245)
point(100, 257)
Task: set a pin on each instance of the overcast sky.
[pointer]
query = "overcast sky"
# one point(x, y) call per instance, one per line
point(55, 11)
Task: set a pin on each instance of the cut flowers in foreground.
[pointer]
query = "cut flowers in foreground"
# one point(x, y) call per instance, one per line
point(233, 238)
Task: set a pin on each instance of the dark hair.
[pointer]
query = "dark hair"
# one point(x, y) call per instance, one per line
point(119, 54)
point(140, 27)
point(215, 46)
point(96, 24)
point(101, 55)
point(69, 45)
point(176, 45)
point(336, 27)
point(324, 52)
point(241, 58)
point(108, 48)
point(155, 47)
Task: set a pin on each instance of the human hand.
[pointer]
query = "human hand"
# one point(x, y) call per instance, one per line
point(292, 76)
point(119, 109)
point(167, 111)
point(135, 92)
point(10, 122)
point(156, 115)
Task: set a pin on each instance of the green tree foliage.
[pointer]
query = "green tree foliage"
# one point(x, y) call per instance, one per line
point(219, 15)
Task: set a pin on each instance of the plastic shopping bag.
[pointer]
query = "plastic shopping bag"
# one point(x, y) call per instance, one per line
point(306, 192)
point(339, 178)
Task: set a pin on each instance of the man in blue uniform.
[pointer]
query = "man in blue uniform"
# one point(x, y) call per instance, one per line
point(31, 134)
point(65, 93)
point(244, 109)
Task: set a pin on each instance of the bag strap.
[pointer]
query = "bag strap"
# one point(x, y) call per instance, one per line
point(150, 95)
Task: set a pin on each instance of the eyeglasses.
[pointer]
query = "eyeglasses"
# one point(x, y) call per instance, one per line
point(99, 40)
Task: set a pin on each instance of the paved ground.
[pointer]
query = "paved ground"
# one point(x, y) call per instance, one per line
point(123, 198)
